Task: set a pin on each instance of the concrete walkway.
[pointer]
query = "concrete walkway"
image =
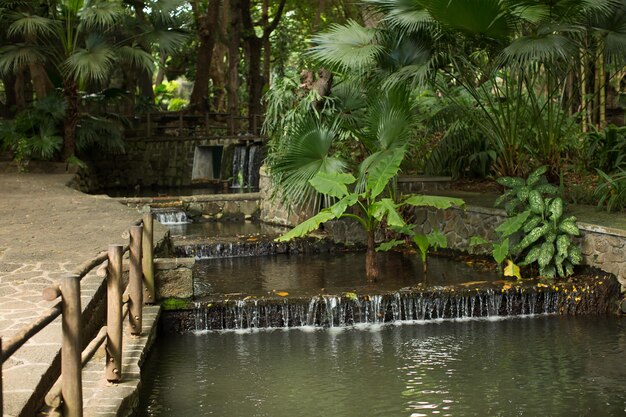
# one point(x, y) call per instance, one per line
point(47, 230)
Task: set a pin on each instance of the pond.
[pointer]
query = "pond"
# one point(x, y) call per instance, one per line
point(542, 366)
point(327, 273)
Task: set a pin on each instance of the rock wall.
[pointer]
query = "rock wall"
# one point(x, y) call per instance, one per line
point(160, 162)
point(272, 210)
point(602, 247)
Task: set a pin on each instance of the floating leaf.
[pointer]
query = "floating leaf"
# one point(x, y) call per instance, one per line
point(282, 293)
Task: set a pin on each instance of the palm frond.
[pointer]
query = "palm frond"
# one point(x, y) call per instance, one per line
point(135, 57)
point(30, 25)
point(45, 142)
point(91, 63)
point(100, 15)
point(347, 47)
point(306, 154)
point(406, 15)
point(167, 40)
point(479, 17)
point(99, 132)
point(529, 50)
point(16, 56)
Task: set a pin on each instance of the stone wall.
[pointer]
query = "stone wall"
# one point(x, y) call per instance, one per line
point(160, 162)
point(602, 247)
point(211, 206)
point(272, 210)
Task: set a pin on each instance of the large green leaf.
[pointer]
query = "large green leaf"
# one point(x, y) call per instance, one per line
point(439, 202)
point(342, 205)
point(386, 246)
point(382, 170)
point(387, 207)
point(422, 244)
point(437, 239)
point(307, 226)
point(500, 250)
point(333, 184)
point(513, 224)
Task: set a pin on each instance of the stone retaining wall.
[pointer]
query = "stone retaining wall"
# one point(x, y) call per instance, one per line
point(602, 247)
point(210, 206)
point(154, 162)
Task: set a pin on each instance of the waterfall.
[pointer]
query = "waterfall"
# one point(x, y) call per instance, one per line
point(171, 217)
point(338, 311)
point(247, 160)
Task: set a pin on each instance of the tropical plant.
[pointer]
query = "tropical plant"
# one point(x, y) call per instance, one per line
point(606, 149)
point(421, 241)
point(612, 191)
point(373, 206)
point(536, 217)
point(34, 133)
point(77, 41)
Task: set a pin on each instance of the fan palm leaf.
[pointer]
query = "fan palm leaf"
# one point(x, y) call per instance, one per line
point(349, 47)
point(91, 63)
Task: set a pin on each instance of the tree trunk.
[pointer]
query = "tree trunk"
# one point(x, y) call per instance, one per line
point(144, 77)
point(233, 63)
point(70, 91)
point(20, 90)
point(254, 47)
point(8, 80)
point(41, 82)
point(371, 268)
point(219, 63)
point(161, 73)
point(205, 22)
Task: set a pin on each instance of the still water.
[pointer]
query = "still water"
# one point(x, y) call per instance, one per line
point(329, 273)
point(541, 366)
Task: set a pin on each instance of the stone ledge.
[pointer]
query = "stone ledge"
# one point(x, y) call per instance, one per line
point(190, 199)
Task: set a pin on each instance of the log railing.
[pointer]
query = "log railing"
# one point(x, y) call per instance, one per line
point(67, 391)
point(207, 125)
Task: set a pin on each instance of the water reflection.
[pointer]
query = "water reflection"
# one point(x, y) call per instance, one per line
point(548, 366)
point(325, 273)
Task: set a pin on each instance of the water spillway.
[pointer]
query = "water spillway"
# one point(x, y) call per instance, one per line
point(422, 303)
point(171, 217)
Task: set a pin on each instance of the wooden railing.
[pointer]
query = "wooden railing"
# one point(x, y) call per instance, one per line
point(67, 391)
point(186, 125)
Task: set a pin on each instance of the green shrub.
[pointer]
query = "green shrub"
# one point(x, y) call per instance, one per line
point(536, 217)
point(612, 191)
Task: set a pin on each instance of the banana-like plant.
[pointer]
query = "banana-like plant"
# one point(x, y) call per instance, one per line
point(372, 205)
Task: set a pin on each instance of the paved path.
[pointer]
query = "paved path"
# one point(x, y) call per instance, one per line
point(47, 229)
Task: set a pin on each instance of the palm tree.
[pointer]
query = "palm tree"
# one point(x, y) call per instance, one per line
point(76, 41)
point(524, 52)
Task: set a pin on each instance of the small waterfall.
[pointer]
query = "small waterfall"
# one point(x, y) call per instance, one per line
point(338, 311)
point(171, 217)
point(247, 160)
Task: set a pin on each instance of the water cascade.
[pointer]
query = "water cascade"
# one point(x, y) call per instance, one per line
point(171, 217)
point(440, 303)
point(247, 160)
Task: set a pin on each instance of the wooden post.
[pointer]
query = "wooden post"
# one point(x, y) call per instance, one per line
point(147, 258)
point(206, 124)
point(254, 116)
point(71, 368)
point(135, 280)
point(148, 125)
point(231, 125)
point(181, 126)
point(1, 362)
point(113, 367)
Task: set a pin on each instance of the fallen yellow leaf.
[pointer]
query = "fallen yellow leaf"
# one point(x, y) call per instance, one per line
point(282, 293)
point(512, 270)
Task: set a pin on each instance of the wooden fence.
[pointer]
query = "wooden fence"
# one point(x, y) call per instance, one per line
point(67, 393)
point(205, 125)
